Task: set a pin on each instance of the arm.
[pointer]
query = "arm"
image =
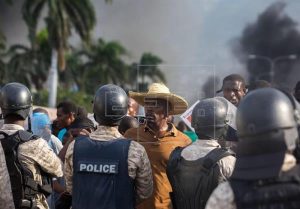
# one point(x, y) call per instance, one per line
point(140, 170)
point(74, 133)
point(221, 198)
point(57, 187)
point(68, 167)
point(226, 166)
point(39, 151)
point(6, 198)
point(63, 151)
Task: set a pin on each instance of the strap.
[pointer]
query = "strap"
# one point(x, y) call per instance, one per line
point(214, 156)
point(26, 136)
point(4, 134)
point(175, 157)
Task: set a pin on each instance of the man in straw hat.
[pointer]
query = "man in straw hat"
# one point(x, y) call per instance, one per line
point(159, 137)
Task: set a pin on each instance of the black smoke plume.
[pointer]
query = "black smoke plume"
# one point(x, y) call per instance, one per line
point(274, 34)
point(210, 86)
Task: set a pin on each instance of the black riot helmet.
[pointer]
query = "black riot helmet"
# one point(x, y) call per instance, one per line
point(15, 99)
point(110, 105)
point(210, 118)
point(267, 126)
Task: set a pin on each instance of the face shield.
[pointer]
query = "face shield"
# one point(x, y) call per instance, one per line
point(41, 125)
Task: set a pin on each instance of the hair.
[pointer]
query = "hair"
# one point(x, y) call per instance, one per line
point(68, 107)
point(41, 110)
point(235, 77)
point(83, 122)
point(260, 84)
point(126, 123)
point(297, 87)
point(181, 126)
point(82, 112)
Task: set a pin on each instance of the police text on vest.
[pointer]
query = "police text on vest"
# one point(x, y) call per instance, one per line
point(107, 167)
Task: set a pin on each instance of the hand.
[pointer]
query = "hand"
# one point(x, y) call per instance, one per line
point(78, 132)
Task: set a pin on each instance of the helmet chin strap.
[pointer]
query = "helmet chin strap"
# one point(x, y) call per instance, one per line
point(29, 120)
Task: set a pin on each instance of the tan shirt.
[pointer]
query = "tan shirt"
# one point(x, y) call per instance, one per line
point(6, 198)
point(158, 150)
point(138, 163)
point(36, 154)
point(223, 196)
point(200, 148)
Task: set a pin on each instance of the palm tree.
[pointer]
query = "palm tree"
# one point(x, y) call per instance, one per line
point(102, 63)
point(30, 66)
point(63, 15)
point(148, 67)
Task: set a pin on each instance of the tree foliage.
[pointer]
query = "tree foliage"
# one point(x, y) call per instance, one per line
point(30, 66)
point(63, 15)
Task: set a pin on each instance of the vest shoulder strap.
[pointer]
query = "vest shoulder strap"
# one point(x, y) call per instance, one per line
point(214, 156)
point(27, 136)
point(175, 157)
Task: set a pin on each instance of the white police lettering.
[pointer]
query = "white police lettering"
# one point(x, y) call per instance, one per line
point(105, 169)
point(109, 168)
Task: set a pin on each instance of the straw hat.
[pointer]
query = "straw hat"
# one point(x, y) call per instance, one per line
point(160, 91)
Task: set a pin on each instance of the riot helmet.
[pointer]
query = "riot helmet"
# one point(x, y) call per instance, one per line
point(16, 99)
point(110, 105)
point(211, 117)
point(267, 126)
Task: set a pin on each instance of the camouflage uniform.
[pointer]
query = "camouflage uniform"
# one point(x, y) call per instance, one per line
point(223, 196)
point(6, 198)
point(201, 148)
point(36, 154)
point(138, 163)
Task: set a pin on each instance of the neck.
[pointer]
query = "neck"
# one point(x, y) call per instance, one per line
point(160, 130)
point(14, 121)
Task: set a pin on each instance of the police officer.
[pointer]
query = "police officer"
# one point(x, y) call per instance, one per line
point(32, 153)
point(194, 171)
point(105, 170)
point(265, 174)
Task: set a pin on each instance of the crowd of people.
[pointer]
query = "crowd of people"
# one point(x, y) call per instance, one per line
point(242, 152)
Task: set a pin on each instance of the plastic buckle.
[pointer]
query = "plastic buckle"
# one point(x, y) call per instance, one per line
point(26, 203)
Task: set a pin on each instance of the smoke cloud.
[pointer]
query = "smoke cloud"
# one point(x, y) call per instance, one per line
point(273, 35)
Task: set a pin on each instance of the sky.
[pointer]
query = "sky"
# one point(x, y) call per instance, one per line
point(192, 37)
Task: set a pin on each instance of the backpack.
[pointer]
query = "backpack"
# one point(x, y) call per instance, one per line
point(193, 181)
point(24, 187)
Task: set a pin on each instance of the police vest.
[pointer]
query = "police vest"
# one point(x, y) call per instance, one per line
point(280, 193)
point(100, 175)
point(24, 187)
point(193, 181)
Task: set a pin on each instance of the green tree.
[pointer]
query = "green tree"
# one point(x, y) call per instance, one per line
point(63, 15)
point(103, 63)
point(30, 66)
point(148, 67)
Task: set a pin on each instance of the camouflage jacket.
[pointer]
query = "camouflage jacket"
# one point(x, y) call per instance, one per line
point(6, 198)
point(36, 155)
point(223, 196)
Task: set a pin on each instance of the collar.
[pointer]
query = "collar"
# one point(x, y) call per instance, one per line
point(12, 127)
point(172, 132)
point(106, 132)
point(207, 143)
